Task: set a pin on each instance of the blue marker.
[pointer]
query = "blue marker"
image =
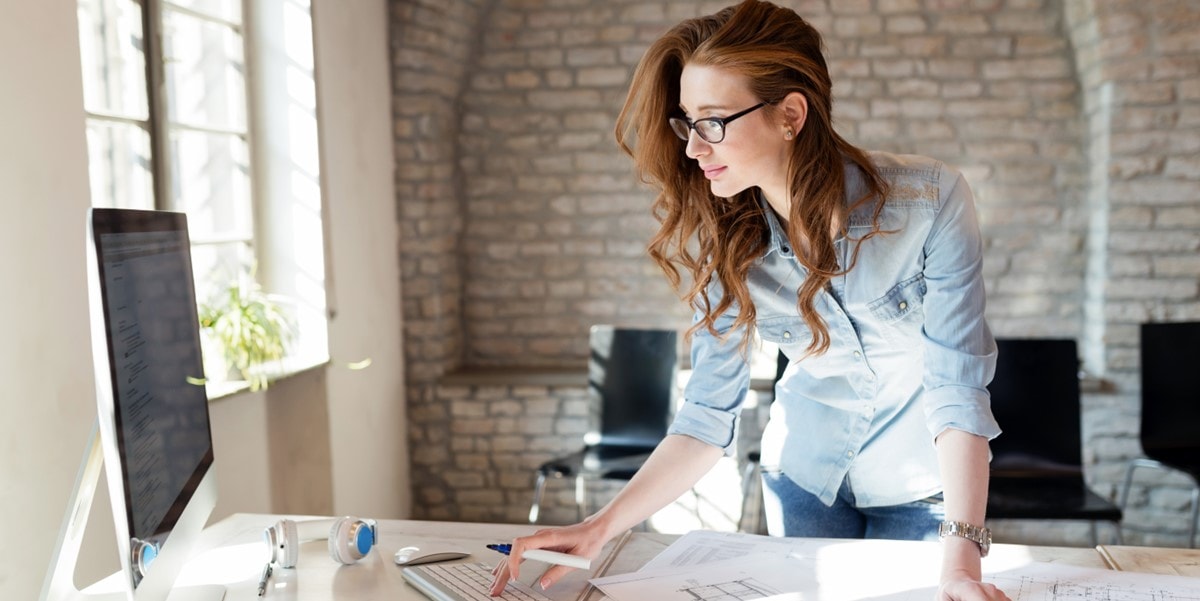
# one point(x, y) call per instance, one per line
point(554, 557)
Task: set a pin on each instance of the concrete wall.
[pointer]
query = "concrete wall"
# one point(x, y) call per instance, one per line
point(45, 358)
point(329, 440)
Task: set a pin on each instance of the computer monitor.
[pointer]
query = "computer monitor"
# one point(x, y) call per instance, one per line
point(152, 409)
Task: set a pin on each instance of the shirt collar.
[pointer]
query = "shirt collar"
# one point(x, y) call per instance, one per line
point(778, 242)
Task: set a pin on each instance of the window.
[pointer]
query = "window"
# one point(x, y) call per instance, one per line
point(171, 125)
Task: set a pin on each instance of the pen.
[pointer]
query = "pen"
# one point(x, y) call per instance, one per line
point(262, 582)
point(554, 557)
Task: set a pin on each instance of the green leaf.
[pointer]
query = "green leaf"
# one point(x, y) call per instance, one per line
point(252, 329)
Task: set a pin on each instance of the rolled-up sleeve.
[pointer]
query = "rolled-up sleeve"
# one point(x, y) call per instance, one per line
point(714, 393)
point(960, 352)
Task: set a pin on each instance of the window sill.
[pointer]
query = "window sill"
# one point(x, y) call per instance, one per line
point(223, 389)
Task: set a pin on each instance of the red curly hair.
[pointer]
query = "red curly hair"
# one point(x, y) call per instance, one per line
point(710, 237)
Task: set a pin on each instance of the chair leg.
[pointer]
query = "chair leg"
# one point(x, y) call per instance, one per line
point(580, 498)
point(1128, 484)
point(1150, 463)
point(1124, 503)
point(696, 501)
point(751, 499)
point(1195, 514)
point(538, 489)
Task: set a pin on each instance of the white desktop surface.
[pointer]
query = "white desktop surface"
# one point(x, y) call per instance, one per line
point(234, 556)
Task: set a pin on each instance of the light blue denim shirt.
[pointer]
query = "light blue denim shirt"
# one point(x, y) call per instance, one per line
point(910, 353)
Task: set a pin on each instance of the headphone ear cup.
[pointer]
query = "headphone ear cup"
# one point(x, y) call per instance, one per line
point(283, 542)
point(350, 539)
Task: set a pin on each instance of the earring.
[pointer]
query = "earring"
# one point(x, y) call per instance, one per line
point(787, 134)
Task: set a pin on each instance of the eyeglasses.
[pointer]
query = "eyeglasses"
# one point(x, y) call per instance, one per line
point(710, 129)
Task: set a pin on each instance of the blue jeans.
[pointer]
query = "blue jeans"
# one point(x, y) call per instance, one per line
point(793, 511)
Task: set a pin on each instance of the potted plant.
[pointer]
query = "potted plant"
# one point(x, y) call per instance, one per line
point(251, 328)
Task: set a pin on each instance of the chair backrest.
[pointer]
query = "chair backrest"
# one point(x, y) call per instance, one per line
point(632, 374)
point(1035, 399)
point(1170, 430)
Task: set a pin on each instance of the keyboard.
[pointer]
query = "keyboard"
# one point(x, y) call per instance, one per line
point(464, 582)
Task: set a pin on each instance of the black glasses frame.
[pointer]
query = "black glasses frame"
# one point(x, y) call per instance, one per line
point(683, 127)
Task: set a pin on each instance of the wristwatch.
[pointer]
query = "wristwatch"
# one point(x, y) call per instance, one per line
point(976, 534)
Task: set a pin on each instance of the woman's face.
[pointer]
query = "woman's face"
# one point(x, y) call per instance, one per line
point(754, 151)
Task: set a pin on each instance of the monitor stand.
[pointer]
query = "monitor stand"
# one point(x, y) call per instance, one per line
point(60, 577)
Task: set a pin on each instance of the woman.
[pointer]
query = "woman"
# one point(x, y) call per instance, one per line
point(863, 267)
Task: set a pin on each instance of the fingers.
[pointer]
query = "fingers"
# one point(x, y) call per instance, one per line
point(577, 539)
point(542, 539)
point(514, 557)
point(547, 580)
point(502, 577)
point(553, 575)
point(509, 569)
point(965, 590)
point(993, 592)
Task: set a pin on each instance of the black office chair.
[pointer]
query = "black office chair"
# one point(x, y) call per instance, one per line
point(631, 381)
point(1170, 425)
point(1037, 467)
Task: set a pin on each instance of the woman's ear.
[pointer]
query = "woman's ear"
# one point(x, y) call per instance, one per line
point(794, 108)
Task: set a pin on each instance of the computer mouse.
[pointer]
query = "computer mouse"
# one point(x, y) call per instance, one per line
point(411, 556)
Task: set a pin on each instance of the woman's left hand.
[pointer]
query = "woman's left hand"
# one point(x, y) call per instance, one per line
point(968, 589)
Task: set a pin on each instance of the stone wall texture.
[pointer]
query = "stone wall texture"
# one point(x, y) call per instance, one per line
point(1076, 122)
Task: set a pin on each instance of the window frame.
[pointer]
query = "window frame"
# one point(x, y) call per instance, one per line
point(263, 238)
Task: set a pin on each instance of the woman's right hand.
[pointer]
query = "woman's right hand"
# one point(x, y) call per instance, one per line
point(672, 469)
point(585, 539)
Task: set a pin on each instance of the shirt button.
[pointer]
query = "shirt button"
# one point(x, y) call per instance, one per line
point(786, 250)
point(857, 355)
point(850, 454)
point(787, 335)
point(903, 305)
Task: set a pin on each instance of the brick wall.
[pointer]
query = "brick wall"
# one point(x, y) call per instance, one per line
point(1076, 122)
point(481, 439)
point(433, 50)
point(1140, 65)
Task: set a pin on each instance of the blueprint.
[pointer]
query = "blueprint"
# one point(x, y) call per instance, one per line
point(1056, 582)
point(710, 566)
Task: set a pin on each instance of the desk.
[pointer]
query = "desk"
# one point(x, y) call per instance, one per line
point(1152, 560)
point(232, 555)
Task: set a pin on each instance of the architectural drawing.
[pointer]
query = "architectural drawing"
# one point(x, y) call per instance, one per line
point(743, 589)
point(1032, 588)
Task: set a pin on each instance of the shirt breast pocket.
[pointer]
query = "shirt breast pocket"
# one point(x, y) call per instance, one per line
point(900, 312)
point(790, 333)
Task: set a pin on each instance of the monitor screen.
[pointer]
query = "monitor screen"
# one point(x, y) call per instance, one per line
point(151, 396)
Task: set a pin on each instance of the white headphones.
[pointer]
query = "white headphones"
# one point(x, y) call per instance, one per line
point(350, 539)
